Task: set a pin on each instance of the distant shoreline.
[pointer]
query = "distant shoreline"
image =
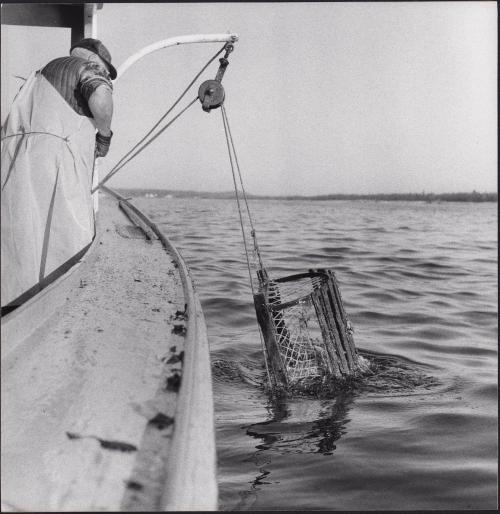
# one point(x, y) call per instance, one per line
point(474, 196)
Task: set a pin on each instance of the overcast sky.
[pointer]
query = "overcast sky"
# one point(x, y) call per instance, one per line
point(321, 97)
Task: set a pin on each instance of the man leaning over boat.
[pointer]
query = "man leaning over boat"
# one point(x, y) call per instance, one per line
point(59, 122)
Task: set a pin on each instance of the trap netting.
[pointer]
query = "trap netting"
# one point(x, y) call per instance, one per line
point(306, 331)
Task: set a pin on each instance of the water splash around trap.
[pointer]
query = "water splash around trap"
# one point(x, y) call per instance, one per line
point(378, 376)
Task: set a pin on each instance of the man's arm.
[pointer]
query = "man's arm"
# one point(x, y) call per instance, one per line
point(101, 106)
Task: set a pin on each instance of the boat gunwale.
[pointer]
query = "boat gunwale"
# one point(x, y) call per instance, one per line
point(191, 482)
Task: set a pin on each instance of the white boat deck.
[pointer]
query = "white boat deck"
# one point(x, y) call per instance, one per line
point(89, 399)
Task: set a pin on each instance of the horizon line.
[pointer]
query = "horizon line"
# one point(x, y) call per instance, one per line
point(323, 195)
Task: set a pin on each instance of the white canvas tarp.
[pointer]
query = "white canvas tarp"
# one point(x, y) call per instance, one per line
point(47, 212)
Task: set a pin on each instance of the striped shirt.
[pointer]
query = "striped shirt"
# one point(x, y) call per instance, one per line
point(76, 79)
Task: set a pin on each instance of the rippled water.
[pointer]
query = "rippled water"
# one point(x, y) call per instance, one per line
point(419, 282)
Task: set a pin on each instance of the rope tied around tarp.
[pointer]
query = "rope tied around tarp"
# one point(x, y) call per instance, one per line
point(137, 148)
point(24, 133)
point(37, 132)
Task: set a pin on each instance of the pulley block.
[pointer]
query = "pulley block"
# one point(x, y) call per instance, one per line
point(211, 95)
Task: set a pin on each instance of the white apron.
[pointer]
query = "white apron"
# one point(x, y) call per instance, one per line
point(47, 214)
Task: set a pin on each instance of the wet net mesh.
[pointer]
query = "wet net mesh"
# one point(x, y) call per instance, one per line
point(306, 330)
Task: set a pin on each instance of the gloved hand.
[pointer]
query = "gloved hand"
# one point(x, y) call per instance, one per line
point(102, 144)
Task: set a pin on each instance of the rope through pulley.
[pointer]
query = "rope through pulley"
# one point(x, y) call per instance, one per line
point(211, 93)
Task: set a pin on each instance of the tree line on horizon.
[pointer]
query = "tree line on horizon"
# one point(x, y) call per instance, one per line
point(473, 196)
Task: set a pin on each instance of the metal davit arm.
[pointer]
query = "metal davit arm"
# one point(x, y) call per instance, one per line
point(179, 40)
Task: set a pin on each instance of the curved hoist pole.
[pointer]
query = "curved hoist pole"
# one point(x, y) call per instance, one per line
point(173, 41)
point(228, 38)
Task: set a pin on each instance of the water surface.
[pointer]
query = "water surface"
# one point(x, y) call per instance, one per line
point(419, 282)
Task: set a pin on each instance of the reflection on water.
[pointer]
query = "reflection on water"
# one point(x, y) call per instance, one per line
point(295, 426)
point(300, 426)
point(250, 496)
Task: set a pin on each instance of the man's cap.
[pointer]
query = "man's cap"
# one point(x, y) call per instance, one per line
point(96, 46)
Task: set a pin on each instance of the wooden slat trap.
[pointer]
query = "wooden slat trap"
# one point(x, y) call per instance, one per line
point(306, 331)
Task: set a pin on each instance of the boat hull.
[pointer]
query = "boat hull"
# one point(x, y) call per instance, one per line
point(106, 384)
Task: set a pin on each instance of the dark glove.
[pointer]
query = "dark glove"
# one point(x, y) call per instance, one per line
point(102, 144)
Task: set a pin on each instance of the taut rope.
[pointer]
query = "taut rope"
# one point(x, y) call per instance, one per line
point(131, 154)
point(232, 153)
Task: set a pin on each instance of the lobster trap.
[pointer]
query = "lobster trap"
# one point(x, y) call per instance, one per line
point(307, 334)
